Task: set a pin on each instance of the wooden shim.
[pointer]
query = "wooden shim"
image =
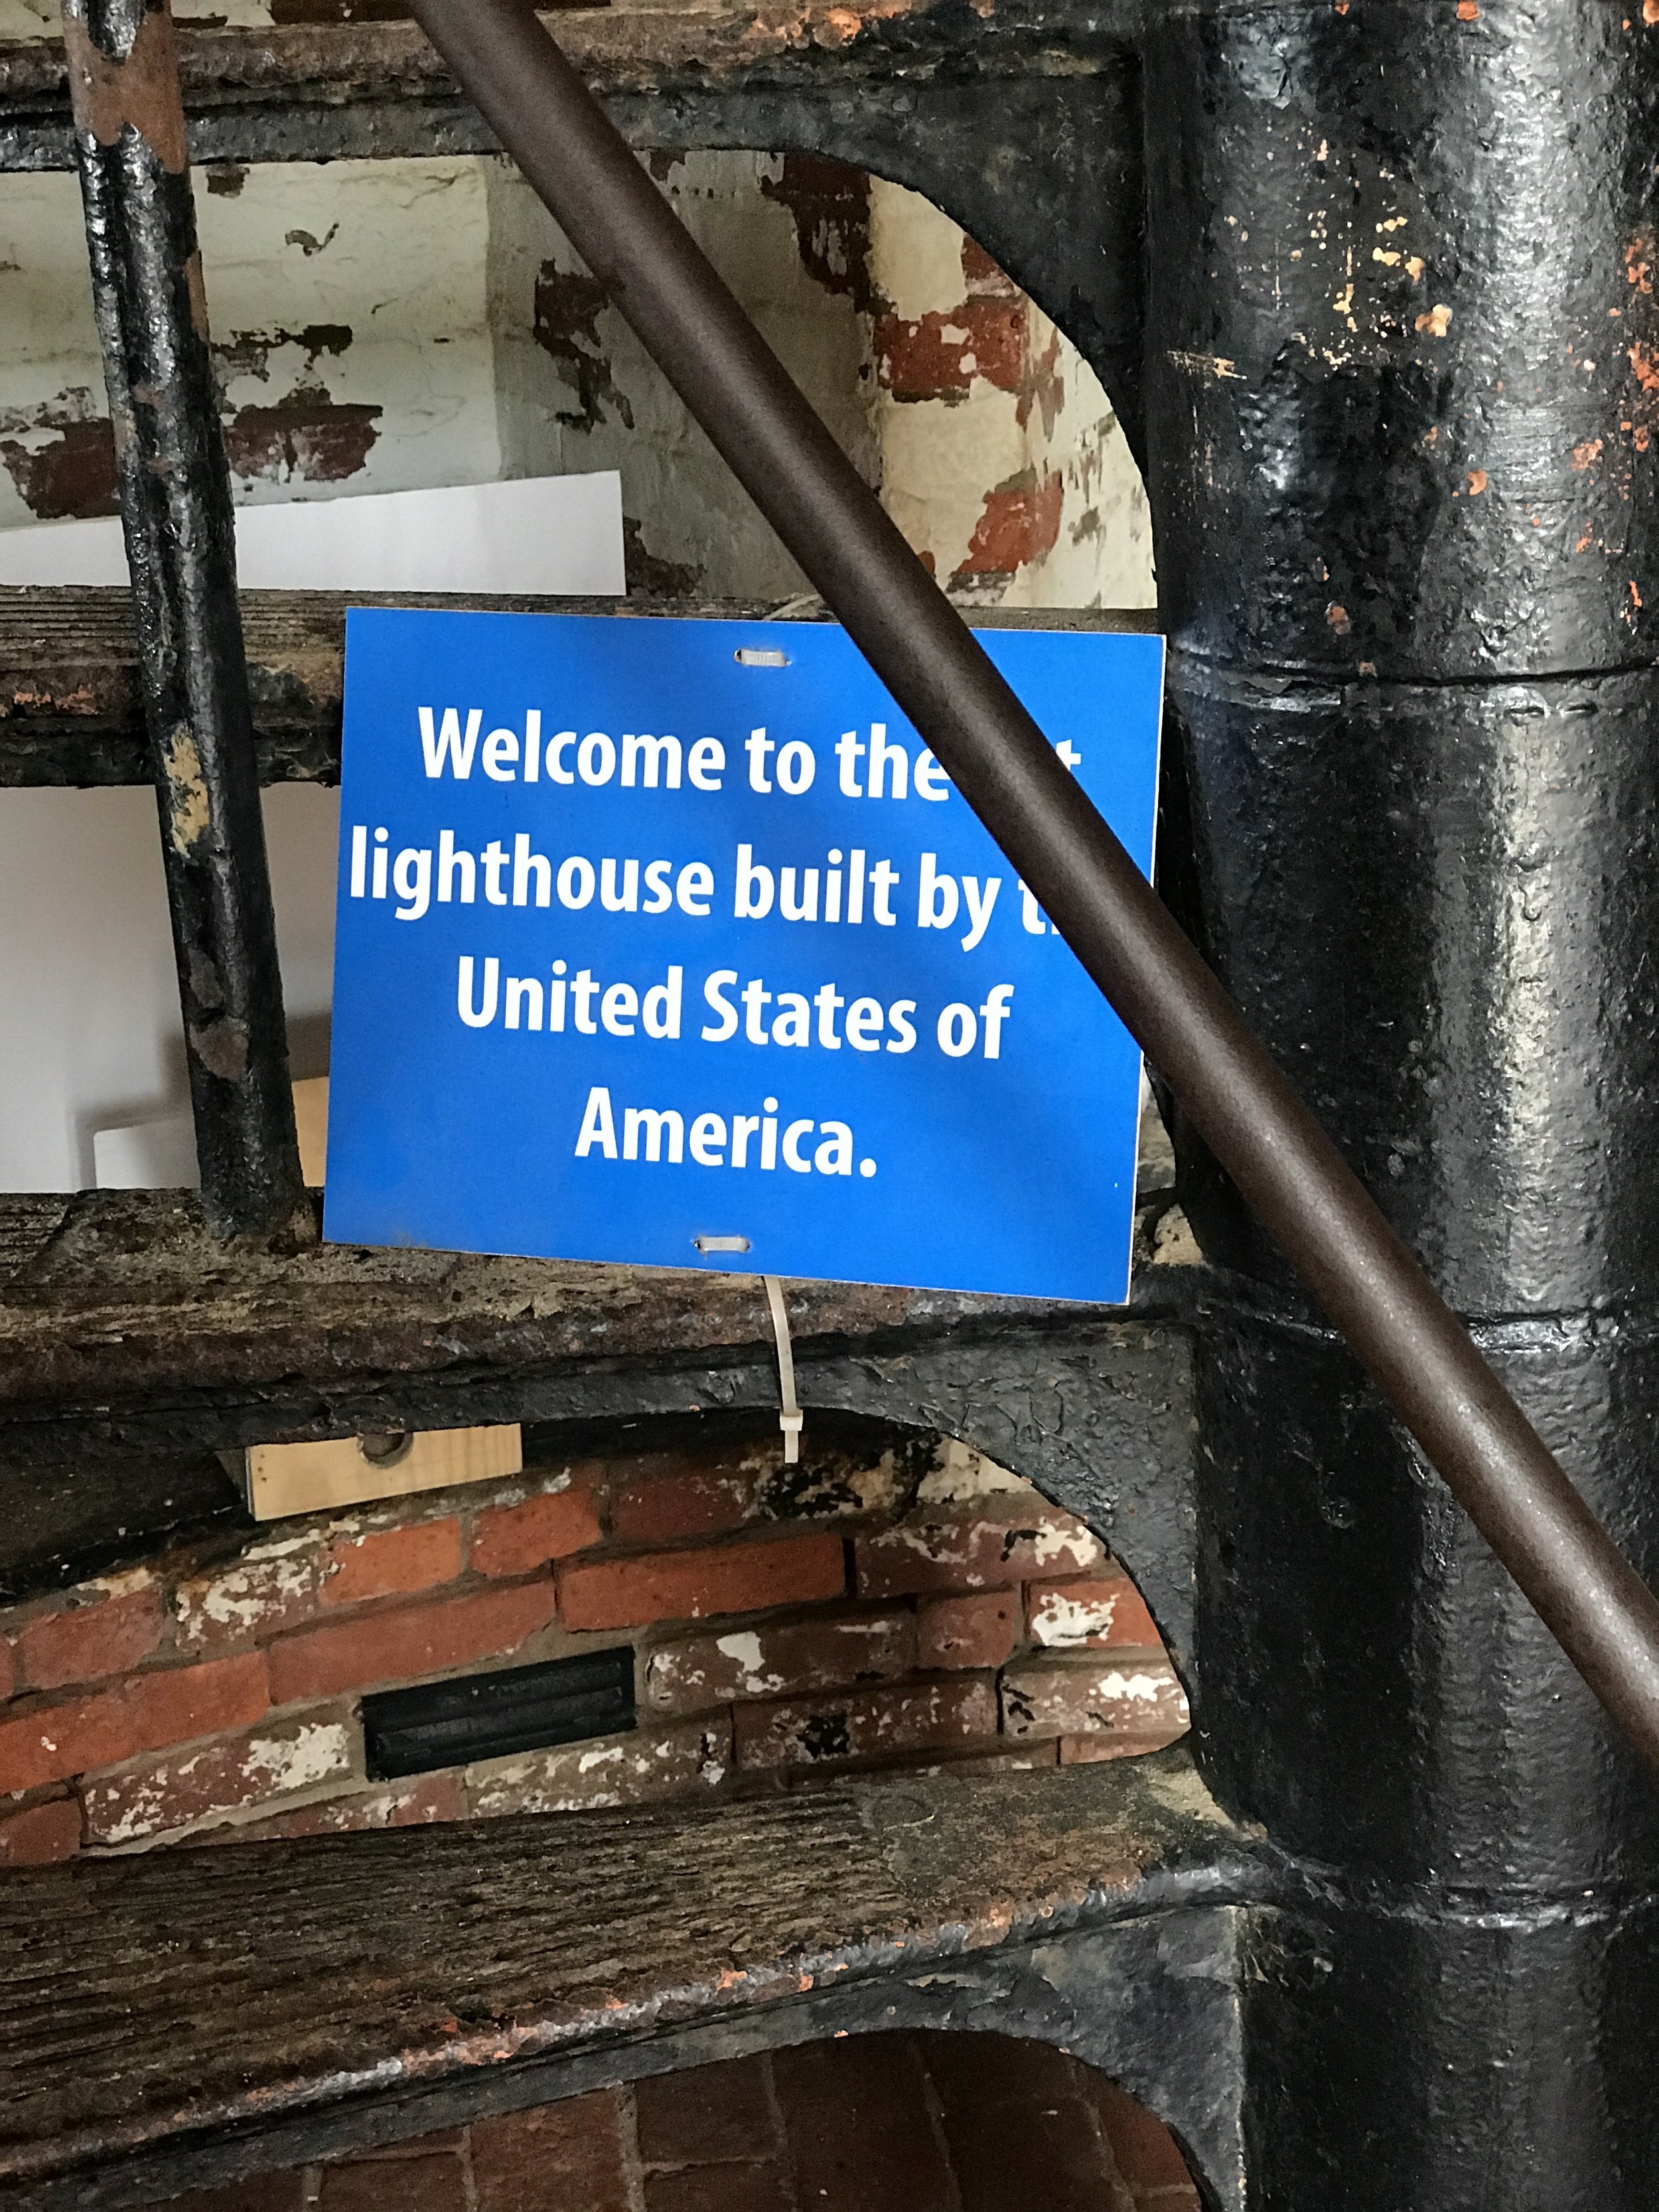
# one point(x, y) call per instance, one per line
point(314, 1477)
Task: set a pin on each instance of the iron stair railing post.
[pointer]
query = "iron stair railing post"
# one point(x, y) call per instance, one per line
point(1599, 1609)
point(176, 509)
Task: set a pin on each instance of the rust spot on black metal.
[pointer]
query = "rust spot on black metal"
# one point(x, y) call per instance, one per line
point(222, 1048)
point(189, 813)
point(140, 91)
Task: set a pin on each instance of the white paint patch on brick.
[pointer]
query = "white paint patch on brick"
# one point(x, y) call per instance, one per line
point(1064, 1539)
point(1055, 439)
point(392, 254)
point(105, 1586)
point(1137, 1696)
point(1059, 1620)
point(621, 1769)
point(256, 1595)
point(961, 1474)
point(915, 253)
point(1142, 1688)
point(173, 1795)
point(316, 1752)
point(282, 1547)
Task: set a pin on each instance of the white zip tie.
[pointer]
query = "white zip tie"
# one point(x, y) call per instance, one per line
point(791, 1419)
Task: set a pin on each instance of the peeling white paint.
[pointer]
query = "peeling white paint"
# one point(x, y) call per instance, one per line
point(1060, 1620)
point(1057, 1540)
point(940, 459)
point(961, 1474)
point(317, 1751)
point(243, 1598)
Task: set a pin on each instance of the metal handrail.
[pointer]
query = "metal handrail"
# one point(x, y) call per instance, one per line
point(1420, 1355)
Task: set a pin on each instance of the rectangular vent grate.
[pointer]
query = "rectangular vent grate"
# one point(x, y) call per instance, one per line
point(488, 1716)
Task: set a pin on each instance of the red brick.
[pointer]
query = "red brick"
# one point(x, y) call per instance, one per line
point(1018, 522)
point(414, 1640)
point(704, 2116)
point(195, 1783)
point(859, 2132)
point(516, 1539)
point(943, 354)
point(392, 1563)
point(260, 2192)
point(992, 1546)
point(978, 2070)
point(393, 1805)
point(272, 1587)
point(691, 1585)
point(8, 1668)
point(1128, 1743)
point(968, 1631)
point(676, 1760)
point(1055, 2145)
point(426, 2182)
point(1009, 2105)
point(563, 2158)
point(1148, 2154)
point(1133, 1694)
point(1091, 1613)
point(87, 1643)
point(915, 1716)
point(980, 273)
point(143, 1714)
point(41, 1834)
point(668, 1507)
point(791, 1657)
point(720, 2189)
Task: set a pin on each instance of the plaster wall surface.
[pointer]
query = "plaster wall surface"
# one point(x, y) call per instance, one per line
point(1000, 457)
point(575, 390)
point(349, 311)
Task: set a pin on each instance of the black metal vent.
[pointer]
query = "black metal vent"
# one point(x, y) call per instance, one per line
point(488, 1716)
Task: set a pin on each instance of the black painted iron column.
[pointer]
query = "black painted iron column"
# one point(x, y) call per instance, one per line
point(1403, 374)
point(176, 508)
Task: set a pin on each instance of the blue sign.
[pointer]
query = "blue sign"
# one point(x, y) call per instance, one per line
point(669, 942)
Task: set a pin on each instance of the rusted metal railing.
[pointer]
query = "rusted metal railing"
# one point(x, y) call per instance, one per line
point(151, 310)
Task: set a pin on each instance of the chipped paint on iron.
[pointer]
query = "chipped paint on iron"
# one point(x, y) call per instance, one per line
point(189, 813)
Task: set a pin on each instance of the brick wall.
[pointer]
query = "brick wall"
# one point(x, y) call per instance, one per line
point(871, 2123)
point(880, 1604)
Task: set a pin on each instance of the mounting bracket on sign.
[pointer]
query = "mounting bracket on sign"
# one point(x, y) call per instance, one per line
point(791, 1419)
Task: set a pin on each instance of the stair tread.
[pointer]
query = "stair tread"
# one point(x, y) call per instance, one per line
point(191, 1993)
